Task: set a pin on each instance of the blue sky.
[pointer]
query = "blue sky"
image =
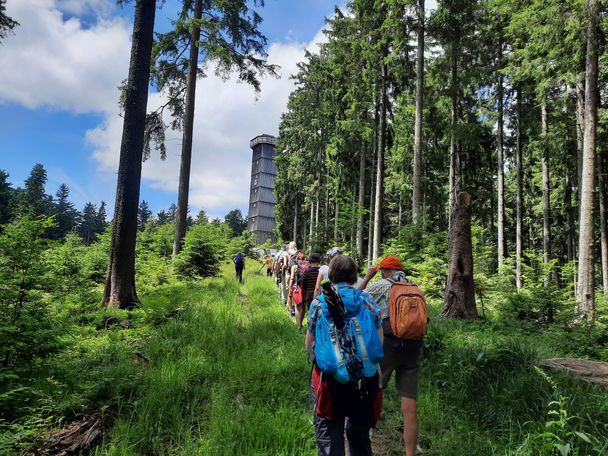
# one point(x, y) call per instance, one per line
point(58, 79)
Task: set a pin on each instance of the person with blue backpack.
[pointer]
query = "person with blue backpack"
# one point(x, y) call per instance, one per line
point(344, 341)
point(239, 265)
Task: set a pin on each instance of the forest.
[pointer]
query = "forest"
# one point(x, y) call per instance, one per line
point(467, 137)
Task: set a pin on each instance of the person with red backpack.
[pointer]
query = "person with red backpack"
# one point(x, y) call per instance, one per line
point(404, 322)
point(299, 265)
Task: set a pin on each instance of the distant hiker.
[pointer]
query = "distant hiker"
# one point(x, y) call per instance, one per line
point(324, 270)
point(277, 268)
point(287, 262)
point(239, 265)
point(345, 384)
point(269, 262)
point(307, 277)
point(401, 354)
point(281, 265)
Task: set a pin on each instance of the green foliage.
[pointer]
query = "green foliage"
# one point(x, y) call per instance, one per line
point(203, 248)
point(27, 332)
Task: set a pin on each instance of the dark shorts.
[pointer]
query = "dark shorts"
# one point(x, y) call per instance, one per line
point(402, 357)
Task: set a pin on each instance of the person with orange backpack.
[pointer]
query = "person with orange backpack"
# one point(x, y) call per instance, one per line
point(404, 322)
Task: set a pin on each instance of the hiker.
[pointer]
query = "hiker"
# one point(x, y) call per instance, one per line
point(308, 281)
point(323, 270)
point(277, 268)
point(299, 265)
point(288, 259)
point(239, 265)
point(347, 401)
point(269, 263)
point(281, 264)
point(400, 355)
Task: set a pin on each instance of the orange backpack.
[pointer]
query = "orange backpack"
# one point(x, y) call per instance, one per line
point(407, 311)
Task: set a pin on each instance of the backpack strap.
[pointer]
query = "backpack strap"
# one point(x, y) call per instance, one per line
point(335, 344)
point(360, 339)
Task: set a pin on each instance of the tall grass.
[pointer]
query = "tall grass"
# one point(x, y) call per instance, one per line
point(228, 376)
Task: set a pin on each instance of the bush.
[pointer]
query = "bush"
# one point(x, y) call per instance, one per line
point(27, 330)
point(201, 253)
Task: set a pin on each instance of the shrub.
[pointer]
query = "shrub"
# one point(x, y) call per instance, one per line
point(202, 252)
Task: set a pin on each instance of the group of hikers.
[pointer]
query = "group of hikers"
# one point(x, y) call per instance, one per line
point(358, 333)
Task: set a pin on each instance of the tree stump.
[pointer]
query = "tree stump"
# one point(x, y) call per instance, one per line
point(459, 301)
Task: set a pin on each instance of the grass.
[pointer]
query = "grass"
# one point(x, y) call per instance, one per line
point(228, 376)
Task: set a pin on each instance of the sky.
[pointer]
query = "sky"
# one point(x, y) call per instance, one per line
point(59, 74)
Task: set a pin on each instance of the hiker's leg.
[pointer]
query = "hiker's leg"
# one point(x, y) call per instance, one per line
point(299, 315)
point(359, 443)
point(330, 436)
point(410, 425)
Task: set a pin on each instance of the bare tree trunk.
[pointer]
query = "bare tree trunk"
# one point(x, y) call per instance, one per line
point(360, 220)
point(546, 191)
point(372, 198)
point(603, 234)
point(580, 130)
point(380, 166)
point(336, 215)
point(586, 283)
point(317, 217)
point(120, 282)
point(399, 214)
point(500, 220)
point(312, 221)
point(519, 198)
point(459, 301)
point(417, 167)
point(184, 171)
point(454, 159)
point(295, 221)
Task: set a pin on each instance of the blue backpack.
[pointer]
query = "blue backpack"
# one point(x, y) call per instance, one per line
point(353, 351)
point(239, 259)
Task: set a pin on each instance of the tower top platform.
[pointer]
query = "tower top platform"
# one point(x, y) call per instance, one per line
point(263, 139)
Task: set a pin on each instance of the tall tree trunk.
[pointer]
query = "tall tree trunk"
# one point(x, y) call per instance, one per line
point(360, 219)
point(519, 198)
point(353, 205)
point(336, 216)
point(601, 180)
point(317, 217)
point(399, 214)
point(417, 167)
point(295, 221)
point(312, 221)
point(459, 299)
point(184, 170)
point(372, 199)
point(586, 283)
point(454, 159)
point(546, 190)
point(380, 164)
point(500, 193)
point(580, 130)
point(120, 281)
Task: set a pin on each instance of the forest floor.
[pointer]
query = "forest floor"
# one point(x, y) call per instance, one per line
point(219, 368)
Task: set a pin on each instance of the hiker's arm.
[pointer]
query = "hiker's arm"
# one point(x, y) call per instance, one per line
point(318, 284)
point(310, 340)
point(371, 272)
point(291, 277)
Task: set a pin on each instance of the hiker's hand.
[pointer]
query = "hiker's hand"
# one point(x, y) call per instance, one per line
point(371, 271)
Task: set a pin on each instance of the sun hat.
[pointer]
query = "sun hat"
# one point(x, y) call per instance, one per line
point(390, 262)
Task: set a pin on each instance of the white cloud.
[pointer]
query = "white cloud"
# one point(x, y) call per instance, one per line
point(57, 63)
point(227, 116)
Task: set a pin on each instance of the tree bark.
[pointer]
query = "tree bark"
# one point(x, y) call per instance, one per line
point(519, 198)
point(380, 165)
point(500, 219)
point(372, 198)
point(601, 180)
point(546, 191)
point(336, 215)
point(586, 285)
point(580, 130)
point(120, 282)
point(459, 301)
point(417, 166)
point(454, 160)
point(295, 221)
point(184, 171)
point(360, 220)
